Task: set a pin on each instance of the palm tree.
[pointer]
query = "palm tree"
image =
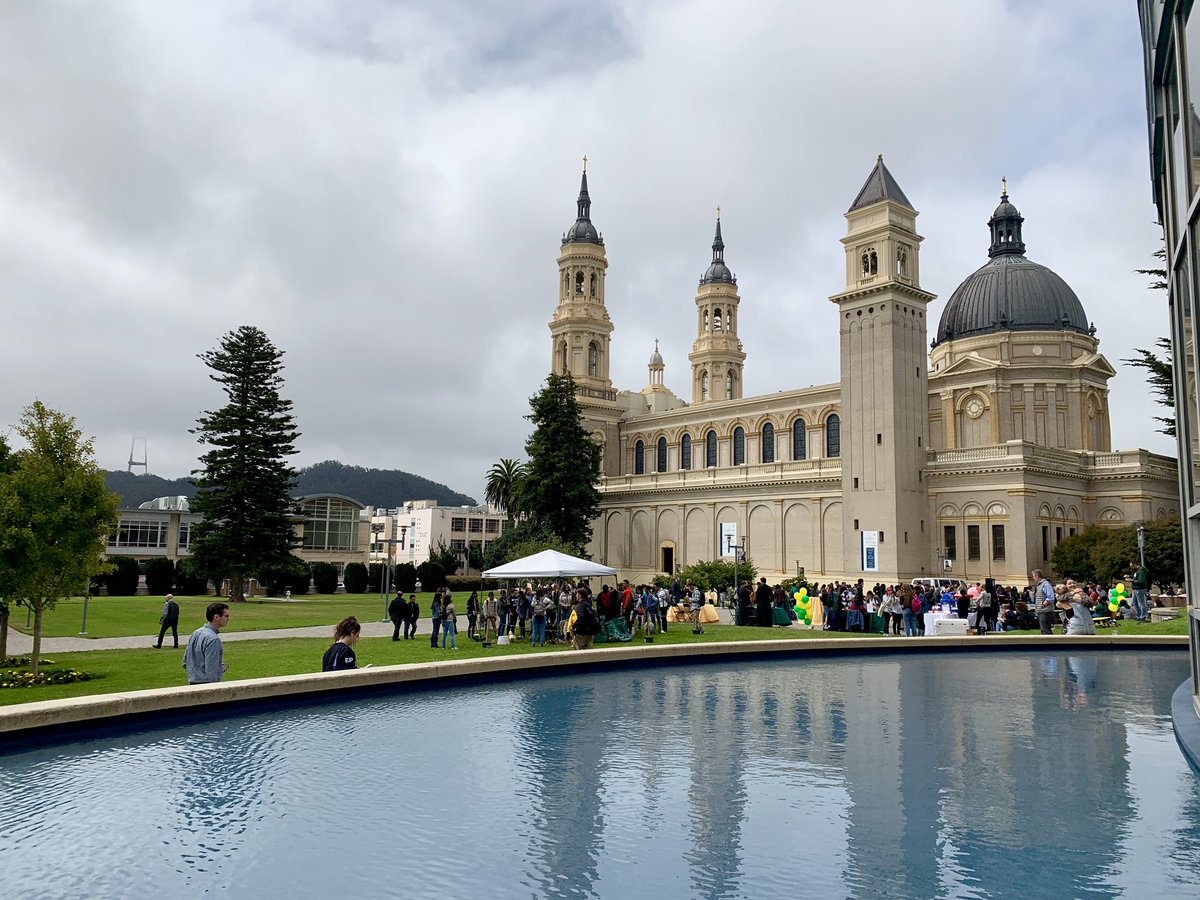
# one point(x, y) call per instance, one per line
point(505, 484)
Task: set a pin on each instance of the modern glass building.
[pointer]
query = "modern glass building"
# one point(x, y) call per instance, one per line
point(1171, 39)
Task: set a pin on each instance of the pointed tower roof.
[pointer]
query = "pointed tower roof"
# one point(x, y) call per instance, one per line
point(718, 272)
point(583, 231)
point(880, 186)
point(1005, 225)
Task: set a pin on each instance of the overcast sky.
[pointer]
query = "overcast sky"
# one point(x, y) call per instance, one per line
point(382, 188)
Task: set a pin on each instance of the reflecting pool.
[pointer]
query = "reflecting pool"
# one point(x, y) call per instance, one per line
point(942, 775)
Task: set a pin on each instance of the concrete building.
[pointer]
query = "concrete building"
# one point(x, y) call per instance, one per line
point(159, 527)
point(1171, 37)
point(409, 533)
point(976, 457)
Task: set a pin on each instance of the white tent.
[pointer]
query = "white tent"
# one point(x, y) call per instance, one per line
point(549, 564)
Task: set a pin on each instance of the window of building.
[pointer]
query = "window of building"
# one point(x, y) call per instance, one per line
point(579, 282)
point(902, 262)
point(458, 545)
point(330, 524)
point(639, 458)
point(768, 443)
point(185, 535)
point(972, 542)
point(475, 526)
point(1045, 542)
point(142, 533)
point(458, 523)
point(592, 283)
point(997, 542)
point(739, 446)
point(710, 449)
point(491, 526)
point(685, 452)
point(833, 436)
point(799, 439)
point(703, 385)
point(716, 320)
point(662, 454)
point(729, 385)
point(950, 539)
point(593, 359)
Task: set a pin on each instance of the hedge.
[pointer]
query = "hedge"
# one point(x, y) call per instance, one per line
point(123, 580)
point(160, 576)
point(324, 576)
point(354, 577)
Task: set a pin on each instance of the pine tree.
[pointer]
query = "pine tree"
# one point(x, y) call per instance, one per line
point(564, 465)
point(1160, 372)
point(245, 484)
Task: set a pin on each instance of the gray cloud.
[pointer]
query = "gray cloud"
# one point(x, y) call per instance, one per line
point(381, 187)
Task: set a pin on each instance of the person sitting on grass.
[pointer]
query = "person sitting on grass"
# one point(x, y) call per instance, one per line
point(340, 656)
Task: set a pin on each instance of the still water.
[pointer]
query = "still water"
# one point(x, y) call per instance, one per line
point(976, 775)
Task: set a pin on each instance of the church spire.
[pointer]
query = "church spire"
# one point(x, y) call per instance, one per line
point(717, 270)
point(1005, 225)
point(583, 231)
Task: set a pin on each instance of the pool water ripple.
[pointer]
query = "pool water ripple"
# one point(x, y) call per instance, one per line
point(1018, 775)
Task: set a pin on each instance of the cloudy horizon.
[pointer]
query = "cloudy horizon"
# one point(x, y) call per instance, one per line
point(382, 187)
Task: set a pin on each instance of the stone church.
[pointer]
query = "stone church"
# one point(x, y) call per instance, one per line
point(972, 454)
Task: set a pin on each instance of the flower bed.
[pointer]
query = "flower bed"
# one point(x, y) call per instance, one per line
point(21, 662)
point(9, 679)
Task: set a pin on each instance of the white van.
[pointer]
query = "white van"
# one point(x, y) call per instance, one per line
point(953, 585)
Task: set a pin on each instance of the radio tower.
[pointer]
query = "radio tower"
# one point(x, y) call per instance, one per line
point(138, 462)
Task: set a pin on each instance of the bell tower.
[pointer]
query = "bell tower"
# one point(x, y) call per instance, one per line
point(717, 357)
point(580, 328)
point(884, 392)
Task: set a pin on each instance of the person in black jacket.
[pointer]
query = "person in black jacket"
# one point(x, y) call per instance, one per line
point(169, 619)
point(340, 656)
point(763, 598)
point(411, 614)
point(397, 610)
point(743, 604)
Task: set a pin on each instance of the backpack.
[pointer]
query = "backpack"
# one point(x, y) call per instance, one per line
point(916, 603)
point(585, 620)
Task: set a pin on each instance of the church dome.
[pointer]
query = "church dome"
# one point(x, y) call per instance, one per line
point(583, 231)
point(656, 357)
point(1010, 292)
point(717, 272)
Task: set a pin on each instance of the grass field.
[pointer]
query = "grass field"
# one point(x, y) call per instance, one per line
point(122, 616)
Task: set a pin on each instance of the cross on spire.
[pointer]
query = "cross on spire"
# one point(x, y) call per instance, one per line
point(585, 164)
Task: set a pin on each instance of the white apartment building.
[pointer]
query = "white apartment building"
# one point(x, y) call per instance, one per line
point(412, 531)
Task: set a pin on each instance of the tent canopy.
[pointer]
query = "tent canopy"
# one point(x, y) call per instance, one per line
point(549, 564)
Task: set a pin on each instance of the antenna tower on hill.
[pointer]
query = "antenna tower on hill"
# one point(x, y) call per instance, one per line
point(138, 462)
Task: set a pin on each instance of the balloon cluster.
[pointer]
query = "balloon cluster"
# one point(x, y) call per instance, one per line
point(803, 607)
point(1115, 596)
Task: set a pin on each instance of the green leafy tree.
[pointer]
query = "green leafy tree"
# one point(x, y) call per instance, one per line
point(354, 577)
point(431, 575)
point(123, 576)
point(445, 559)
point(160, 576)
point(55, 516)
point(244, 488)
point(406, 577)
point(475, 555)
point(1106, 555)
point(1160, 374)
point(189, 580)
point(718, 574)
point(523, 539)
point(564, 465)
point(7, 578)
point(505, 486)
point(291, 574)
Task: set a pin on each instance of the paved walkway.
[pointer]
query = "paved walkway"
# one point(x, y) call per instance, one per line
point(21, 644)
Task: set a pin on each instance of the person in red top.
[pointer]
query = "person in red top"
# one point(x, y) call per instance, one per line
point(627, 604)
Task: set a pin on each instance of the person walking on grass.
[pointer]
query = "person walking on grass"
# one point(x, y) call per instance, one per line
point(696, 602)
point(340, 656)
point(168, 619)
point(537, 612)
point(449, 622)
point(435, 615)
point(472, 613)
point(204, 656)
point(411, 614)
point(397, 611)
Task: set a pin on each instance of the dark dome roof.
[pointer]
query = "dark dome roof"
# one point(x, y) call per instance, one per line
point(584, 231)
point(1011, 293)
point(717, 272)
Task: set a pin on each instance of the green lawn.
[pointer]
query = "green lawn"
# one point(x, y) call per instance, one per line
point(129, 670)
point(122, 616)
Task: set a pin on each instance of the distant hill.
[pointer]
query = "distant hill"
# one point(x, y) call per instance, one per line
point(375, 487)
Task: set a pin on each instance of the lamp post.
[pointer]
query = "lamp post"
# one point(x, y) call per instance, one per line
point(88, 596)
point(1141, 533)
point(738, 550)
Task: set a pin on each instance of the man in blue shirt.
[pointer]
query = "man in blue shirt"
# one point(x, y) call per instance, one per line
point(204, 657)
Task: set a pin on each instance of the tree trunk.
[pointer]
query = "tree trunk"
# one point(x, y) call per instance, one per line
point(37, 637)
point(235, 593)
point(3, 631)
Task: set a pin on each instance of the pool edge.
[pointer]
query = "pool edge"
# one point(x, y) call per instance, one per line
point(1186, 724)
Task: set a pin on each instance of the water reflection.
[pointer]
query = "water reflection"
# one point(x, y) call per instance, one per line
point(973, 775)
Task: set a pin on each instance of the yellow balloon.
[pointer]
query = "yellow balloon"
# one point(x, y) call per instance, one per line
point(803, 592)
point(1120, 587)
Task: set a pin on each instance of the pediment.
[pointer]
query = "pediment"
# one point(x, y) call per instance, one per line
point(1097, 362)
point(969, 364)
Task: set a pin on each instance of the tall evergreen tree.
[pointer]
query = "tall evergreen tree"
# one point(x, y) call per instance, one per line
point(564, 464)
point(1160, 370)
point(55, 514)
point(245, 484)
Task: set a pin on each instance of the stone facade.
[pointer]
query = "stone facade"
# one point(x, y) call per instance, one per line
point(976, 458)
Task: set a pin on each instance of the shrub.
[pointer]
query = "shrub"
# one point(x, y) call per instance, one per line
point(324, 576)
point(406, 577)
point(189, 580)
point(375, 577)
point(291, 574)
point(470, 583)
point(354, 577)
point(718, 574)
point(123, 580)
point(160, 575)
point(431, 576)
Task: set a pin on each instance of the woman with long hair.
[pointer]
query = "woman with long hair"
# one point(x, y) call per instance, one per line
point(341, 655)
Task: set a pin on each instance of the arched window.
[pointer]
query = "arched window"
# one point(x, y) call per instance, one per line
point(685, 452)
point(799, 440)
point(729, 385)
point(579, 282)
point(739, 446)
point(902, 262)
point(768, 443)
point(639, 458)
point(870, 262)
point(874, 263)
point(703, 385)
point(706, 320)
point(593, 359)
point(710, 449)
point(562, 358)
point(662, 454)
point(833, 436)
point(716, 320)
point(593, 285)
